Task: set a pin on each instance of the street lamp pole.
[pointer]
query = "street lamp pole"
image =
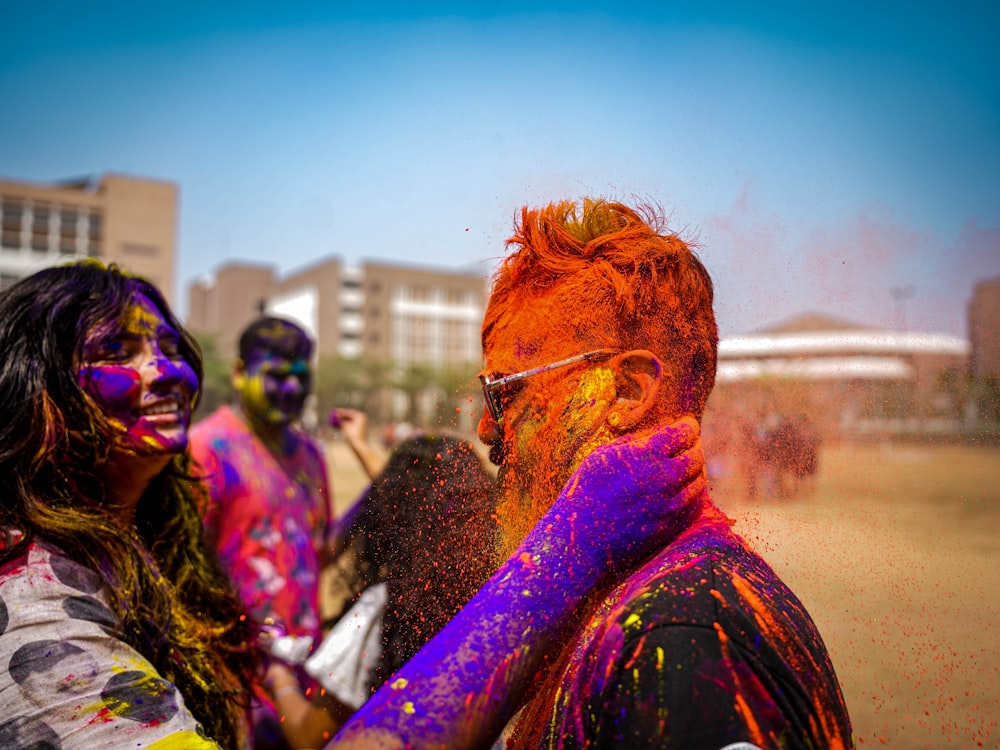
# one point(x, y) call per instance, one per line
point(900, 294)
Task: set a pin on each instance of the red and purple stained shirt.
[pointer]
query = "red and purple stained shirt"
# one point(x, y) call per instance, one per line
point(267, 518)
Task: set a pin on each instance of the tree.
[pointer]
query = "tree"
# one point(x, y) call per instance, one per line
point(458, 385)
point(416, 380)
point(432, 395)
point(216, 387)
point(986, 391)
point(356, 383)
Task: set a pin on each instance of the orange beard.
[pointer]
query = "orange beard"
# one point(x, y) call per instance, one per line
point(546, 445)
point(518, 512)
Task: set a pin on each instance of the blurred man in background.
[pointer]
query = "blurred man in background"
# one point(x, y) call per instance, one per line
point(270, 511)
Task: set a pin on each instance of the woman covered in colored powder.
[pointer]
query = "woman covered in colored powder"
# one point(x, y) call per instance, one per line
point(116, 629)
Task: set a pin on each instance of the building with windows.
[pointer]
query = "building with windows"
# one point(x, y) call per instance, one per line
point(390, 312)
point(400, 317)
point(120, 219)
point(421, 316)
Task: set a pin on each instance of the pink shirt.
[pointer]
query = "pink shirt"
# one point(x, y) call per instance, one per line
point(267, 518)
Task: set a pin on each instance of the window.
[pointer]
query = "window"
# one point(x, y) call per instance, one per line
point(68, 219)
point(13, 218)
point(94, 233)
point(40, 225)
point(13, 213)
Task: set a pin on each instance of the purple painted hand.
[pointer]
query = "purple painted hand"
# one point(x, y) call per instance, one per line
point(625, 499)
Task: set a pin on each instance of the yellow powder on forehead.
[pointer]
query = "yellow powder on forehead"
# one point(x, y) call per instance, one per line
point(141, 317)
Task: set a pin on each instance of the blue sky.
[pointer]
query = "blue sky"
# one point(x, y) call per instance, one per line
point(818, 157)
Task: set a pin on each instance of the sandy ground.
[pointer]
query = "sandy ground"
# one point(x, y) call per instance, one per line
point(900, 574)
point(896, 553)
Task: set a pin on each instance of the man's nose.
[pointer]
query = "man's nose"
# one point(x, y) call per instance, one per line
point(488, 430)
point(293, 384)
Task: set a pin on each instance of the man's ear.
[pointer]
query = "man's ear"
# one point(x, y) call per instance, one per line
point(638, 380)
point(239, 375)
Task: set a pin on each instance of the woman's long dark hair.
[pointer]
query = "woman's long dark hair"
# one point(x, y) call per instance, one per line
point(176, 606)
point(427, 528)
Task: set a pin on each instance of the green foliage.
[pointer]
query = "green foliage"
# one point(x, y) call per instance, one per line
point(216, 388)
point(355, 383)
point(421, 394)
point(457, 384)
point(965, 389)
point(415, 381)
point(890, 400)
point(987, 397)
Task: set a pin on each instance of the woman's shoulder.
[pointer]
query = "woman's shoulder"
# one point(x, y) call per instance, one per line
point(68, 672)
point(42, 561)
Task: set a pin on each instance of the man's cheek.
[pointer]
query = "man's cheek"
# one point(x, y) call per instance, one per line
point(531, 444)
point(254, 393)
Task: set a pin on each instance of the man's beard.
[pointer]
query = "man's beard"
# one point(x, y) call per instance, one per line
point(522, 503)
point(515, 522)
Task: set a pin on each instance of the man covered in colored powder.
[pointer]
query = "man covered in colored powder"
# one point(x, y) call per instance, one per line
point(270, 508)
point(599, 325)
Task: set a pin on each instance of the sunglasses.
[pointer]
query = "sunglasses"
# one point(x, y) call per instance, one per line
point(496, 390)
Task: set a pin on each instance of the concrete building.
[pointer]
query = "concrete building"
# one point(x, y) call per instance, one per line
point(120, 219)
point(396, 316)
point(984, 329)
point(844, 377)
point(390, 312)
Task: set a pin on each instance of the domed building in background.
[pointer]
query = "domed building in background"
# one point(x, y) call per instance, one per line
point(842, 378)
point(782, 392)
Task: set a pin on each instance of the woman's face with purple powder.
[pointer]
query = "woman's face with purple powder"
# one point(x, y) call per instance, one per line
point(134, 370)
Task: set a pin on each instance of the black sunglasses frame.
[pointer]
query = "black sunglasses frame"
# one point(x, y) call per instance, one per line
point(491, 386)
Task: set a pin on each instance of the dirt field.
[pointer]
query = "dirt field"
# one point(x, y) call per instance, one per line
point(896, 553)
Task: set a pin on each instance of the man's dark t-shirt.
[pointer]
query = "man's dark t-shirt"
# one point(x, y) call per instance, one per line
point(704, 647)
